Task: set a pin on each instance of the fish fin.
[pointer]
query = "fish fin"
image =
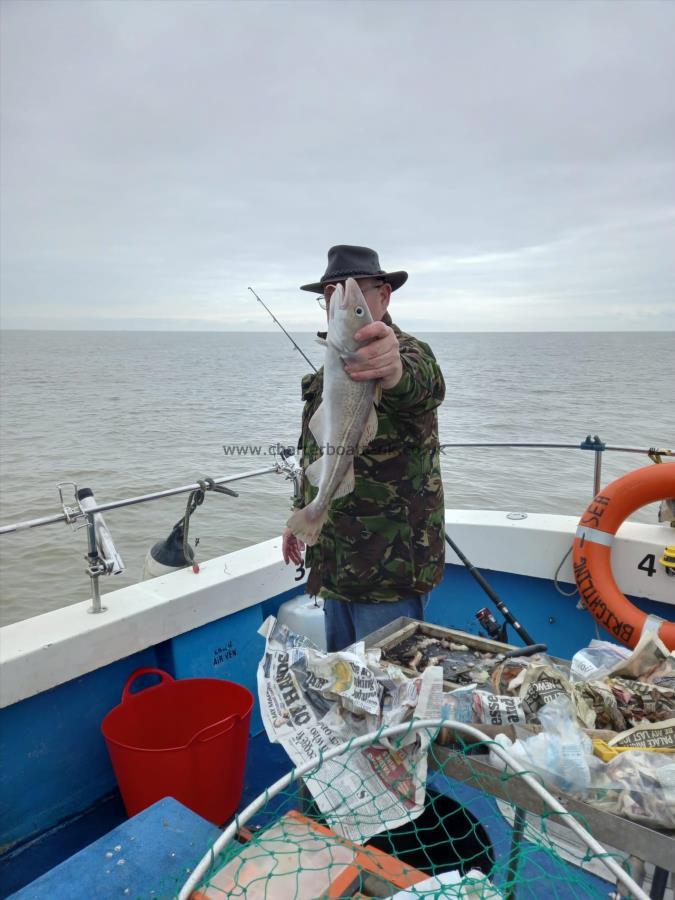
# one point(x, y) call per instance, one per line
point(336, 301)
point(313, 471)
point(317, 425)
point(377, 396)
point(330, 342)
point(369, 431)
point(346, 486)
point(307, 523)
point(322, 341)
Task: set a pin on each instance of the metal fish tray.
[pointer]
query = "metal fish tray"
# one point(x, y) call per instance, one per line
point(405, 639)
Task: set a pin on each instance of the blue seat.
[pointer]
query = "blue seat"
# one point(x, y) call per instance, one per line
point(148, 856)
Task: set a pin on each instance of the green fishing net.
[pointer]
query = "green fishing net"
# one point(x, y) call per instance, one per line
point(410, 812)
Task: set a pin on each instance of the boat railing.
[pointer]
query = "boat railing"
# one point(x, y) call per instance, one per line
point(102, 558)
point(594, 444)
point(101, 554)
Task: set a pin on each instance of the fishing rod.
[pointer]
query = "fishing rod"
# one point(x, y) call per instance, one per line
point(299, 349)
point(501, 606)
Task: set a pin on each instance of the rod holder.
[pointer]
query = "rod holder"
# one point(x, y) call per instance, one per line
point(293, 470)
point(95, 566)
point(102, 557)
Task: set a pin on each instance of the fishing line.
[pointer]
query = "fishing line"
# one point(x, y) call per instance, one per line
point(299, 349)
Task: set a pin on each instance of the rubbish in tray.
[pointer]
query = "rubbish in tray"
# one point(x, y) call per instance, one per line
point(508, 674)
point(560, 753)
point(477, 707)
point(460, 664)
point(637, 784)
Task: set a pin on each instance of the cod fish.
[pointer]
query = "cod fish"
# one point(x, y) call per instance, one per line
point(346, 421)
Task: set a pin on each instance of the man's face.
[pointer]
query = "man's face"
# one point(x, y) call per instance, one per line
point(374, 290)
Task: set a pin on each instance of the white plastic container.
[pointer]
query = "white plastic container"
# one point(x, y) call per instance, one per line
point(304, 615)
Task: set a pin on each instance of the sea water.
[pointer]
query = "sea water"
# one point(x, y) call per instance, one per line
point(125, 413)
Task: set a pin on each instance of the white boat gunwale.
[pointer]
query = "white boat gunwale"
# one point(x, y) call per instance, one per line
point(51, 649)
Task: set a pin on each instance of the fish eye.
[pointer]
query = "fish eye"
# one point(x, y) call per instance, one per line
point(358, 310)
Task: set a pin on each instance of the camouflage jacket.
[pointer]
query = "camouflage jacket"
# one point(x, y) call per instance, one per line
point(386, 539)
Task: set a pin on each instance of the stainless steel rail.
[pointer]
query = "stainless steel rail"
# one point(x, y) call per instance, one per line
point(566, 447)
point(287, 466)
point(130, 501)
point(96, 563)
point(594, 444)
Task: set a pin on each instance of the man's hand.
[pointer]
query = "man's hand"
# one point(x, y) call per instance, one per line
point(380, 359)
point(291, 548)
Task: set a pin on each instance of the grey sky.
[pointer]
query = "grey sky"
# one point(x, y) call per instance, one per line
point(518, 159)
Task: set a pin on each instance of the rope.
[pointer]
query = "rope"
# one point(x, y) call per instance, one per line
point(194, 501)
point(557, 572)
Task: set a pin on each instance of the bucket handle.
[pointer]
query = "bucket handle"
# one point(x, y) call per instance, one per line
point(146, 670)
point(216, 730)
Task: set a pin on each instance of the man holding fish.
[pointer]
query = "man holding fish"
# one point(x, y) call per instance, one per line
point(372, 510)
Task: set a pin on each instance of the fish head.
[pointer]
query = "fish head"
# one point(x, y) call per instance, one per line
point(348, 313)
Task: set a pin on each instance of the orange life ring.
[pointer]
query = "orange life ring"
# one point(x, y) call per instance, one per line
point(593, 546)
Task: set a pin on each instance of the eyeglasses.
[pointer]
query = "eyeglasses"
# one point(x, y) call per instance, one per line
point(329, 290)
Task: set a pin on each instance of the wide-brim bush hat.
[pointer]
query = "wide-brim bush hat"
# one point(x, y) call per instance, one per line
point(346, 261)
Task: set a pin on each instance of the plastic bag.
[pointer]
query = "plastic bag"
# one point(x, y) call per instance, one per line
point(639, 785)
point(560, 754)
point(596, 660)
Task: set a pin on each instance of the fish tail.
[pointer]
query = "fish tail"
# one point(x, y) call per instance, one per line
point(307, 523)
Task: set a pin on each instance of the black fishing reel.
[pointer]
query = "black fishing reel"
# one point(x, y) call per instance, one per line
point(489, 624)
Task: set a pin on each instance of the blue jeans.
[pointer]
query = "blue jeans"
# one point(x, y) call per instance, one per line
point(350, 622)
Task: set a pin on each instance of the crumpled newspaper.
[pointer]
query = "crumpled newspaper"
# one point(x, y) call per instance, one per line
point(312, 701)
point(638, 688)
point(647, 735)
point(638, 701)
point(650, 662)
point(478, 707)
point(619, 703)
point(542, 684)
point(599, 697)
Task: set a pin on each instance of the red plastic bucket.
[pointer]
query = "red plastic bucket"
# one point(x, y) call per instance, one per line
point(185, 739)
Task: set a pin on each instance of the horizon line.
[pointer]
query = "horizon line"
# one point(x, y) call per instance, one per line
point(304, 331)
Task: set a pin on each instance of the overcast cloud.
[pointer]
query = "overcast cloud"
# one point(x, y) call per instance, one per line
point(518, 159)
